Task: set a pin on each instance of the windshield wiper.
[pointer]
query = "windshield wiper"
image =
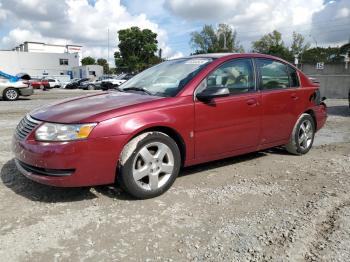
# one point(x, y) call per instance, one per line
point(141, 89)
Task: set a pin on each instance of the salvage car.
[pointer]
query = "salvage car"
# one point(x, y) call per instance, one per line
point(178, 113)
point(12, 90)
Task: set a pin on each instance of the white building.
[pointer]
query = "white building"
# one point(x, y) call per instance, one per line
point(38, 64)
point(38, 47)
point(40, 60)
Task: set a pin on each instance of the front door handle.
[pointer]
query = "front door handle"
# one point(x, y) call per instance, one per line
point(252, 102)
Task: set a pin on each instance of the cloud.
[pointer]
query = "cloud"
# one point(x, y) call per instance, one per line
point(331, 25)
point(202, 9)
point(253, 18)
point(2, 14)
point(73, 21)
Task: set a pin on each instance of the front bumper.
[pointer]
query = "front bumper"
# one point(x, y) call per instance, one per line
point(69, 164)
point(27, 91)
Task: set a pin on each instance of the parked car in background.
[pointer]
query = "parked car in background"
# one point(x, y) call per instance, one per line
point(37, 83)
point(53, 83)
point(178, 113)
point(64, 84)
point(91, 85)
point(76, 83)
point(112, 83)
point(11, 90)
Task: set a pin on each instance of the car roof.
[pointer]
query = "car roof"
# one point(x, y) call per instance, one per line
point(211, 55)
point(215, 56)
point(222, 55)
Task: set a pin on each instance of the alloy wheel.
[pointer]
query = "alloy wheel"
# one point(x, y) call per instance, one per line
point(153, 166)
point(11, 94)
point(305, 134)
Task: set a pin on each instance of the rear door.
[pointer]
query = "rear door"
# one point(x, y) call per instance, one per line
point(227, 124)
point(279, 86)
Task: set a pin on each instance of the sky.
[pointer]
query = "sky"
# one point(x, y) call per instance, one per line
point(86, 22)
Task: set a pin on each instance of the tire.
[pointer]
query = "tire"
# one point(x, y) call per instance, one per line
point(302, 136)
point(56, 86)
point(10, 94)
point(142, 172)
point(91, 87)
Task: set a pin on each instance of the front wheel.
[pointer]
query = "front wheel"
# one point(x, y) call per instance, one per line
point(302, 136)
point(149, 165)
point(10, 94)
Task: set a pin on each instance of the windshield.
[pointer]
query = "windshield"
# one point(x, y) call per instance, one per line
point(167, 78)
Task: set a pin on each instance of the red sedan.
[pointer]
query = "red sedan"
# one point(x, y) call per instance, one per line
point(40, 83)
point(179, 113)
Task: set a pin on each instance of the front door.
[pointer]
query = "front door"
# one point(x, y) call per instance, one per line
point(227, 124)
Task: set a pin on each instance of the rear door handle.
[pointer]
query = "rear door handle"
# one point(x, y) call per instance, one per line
point(294, 96)
point(252, 102)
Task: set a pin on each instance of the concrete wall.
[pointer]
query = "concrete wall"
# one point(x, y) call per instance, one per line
point(334, 79)
point(36, 64)
point(86, 71)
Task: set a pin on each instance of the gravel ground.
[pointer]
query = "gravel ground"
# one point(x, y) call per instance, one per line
point(264, 206)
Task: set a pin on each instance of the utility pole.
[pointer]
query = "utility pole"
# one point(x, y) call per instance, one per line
point(108, 48)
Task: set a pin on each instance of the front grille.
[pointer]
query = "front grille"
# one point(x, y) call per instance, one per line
point(26, 126)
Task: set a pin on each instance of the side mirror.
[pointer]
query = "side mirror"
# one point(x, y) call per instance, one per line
point(212, 92)
point(323, 98)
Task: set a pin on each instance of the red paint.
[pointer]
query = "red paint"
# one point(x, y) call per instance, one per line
point(36, 84)
point(226, 126)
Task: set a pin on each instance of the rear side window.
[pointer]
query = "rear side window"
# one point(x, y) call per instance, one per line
point(273, 74)
point(293, 77)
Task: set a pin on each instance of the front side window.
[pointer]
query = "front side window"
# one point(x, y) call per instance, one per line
point(167, 78)
point(237, 76)
point(273, 74)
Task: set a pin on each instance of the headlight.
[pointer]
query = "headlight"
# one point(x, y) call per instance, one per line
point(62, 132)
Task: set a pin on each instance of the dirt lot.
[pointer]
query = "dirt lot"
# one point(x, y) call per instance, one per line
point(262, 206)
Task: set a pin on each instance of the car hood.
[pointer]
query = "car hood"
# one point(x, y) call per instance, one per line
point(89, 108)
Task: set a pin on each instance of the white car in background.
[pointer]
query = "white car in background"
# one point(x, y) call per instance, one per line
point(11, 91)
point(54, 83)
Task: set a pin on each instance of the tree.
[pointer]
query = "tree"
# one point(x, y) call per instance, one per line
point(272, 44)
point(298, 46)
point(88, 61)
point(345, 49)
point(103, 62)
point(137, 49)
point(321, 54)
point(215, 40)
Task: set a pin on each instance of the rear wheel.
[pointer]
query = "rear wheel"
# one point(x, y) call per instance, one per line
point(10, 94)
point(302, 136)
point(149, 165)
point(91, 87)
